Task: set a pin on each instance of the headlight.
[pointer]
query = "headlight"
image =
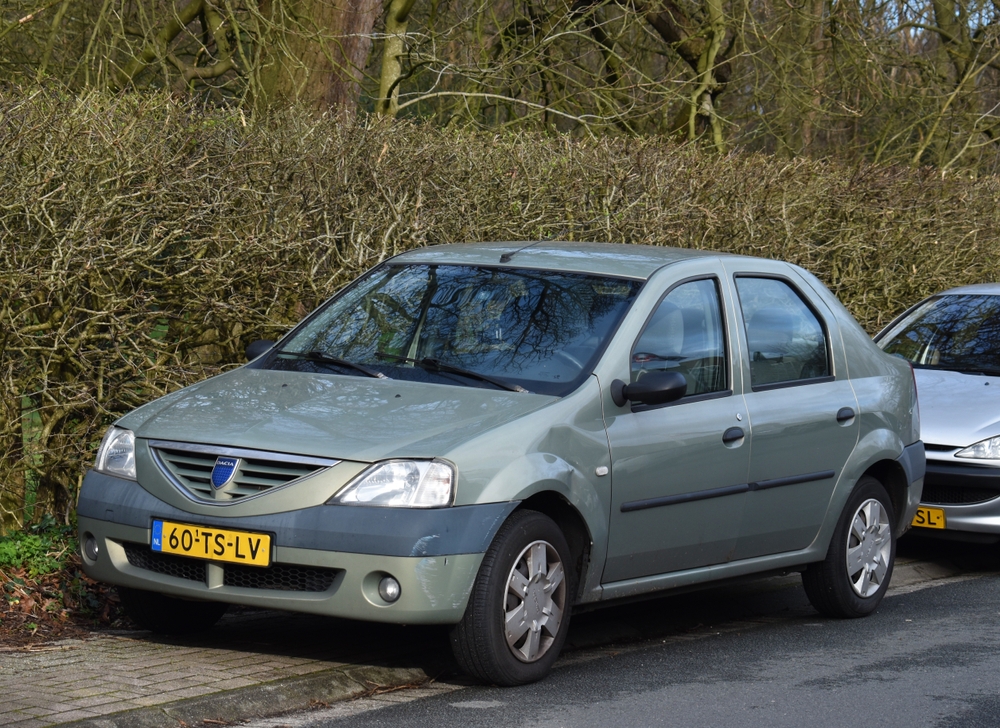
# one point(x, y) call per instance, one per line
point(402, 483)
point(985, 450)
point(116, 455)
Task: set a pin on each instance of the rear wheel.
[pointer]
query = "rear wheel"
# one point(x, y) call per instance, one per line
point(853, 578)
point(518, 613)
point(169, 615)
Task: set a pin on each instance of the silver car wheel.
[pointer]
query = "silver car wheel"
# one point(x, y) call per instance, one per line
point(869, 548)
point(535, 601)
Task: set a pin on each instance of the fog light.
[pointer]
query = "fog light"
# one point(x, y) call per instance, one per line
point(389, 589)
point(90, 548)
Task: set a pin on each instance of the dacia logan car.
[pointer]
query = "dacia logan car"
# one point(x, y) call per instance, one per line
point(487, 435)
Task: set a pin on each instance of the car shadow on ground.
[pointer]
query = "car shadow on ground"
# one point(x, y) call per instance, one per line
point(677, 615)
point(963, 556)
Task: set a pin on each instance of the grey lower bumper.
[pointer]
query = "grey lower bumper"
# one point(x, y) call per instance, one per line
point(335, 555)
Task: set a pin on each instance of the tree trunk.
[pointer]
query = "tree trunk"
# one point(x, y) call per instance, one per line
point(396, 23)
point(315, 51)
point(701, 48)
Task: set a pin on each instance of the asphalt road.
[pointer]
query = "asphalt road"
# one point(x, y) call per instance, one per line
point(748, 655)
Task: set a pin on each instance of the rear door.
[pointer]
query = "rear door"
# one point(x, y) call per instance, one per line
point(803, 411)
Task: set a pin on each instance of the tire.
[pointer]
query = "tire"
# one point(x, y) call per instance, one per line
point(527, 542)
point(853, 578)
point(169, 615)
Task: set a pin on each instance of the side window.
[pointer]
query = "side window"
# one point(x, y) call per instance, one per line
point(685, 335)
point(786, 340)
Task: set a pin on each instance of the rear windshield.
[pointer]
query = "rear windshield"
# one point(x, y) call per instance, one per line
point(955, 332)
point(538, 330)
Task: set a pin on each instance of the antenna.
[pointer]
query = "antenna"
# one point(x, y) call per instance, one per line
point(505, 258)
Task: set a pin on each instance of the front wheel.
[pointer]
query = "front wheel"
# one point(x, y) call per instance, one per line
point(518, 613)
point(169, 615)
point(855, 575)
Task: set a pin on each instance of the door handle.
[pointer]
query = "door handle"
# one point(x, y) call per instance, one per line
point(732, 435)
point(844, 414)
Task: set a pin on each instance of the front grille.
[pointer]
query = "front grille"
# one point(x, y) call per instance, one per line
point(284, 577)
point(190, 467)
point(279, 577)
point(957, 483)
point(944, 495)
point(143, 557)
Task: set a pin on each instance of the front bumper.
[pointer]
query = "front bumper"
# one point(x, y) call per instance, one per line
point(969, 495)
point(326, 559)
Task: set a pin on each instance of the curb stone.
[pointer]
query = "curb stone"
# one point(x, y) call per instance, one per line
point(261, 701)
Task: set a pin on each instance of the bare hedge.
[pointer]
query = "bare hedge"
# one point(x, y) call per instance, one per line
point(144, 244)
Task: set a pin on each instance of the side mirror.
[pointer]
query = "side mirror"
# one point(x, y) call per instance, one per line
point(257, 348)
point(654, 388)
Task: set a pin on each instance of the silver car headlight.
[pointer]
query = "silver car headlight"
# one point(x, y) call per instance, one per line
point(985, 450)
point(116, 455)
point(403, 484)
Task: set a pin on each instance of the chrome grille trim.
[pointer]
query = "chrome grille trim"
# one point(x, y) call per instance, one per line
point(188, 466)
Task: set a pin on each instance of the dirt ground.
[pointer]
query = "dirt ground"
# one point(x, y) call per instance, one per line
point(63, 605)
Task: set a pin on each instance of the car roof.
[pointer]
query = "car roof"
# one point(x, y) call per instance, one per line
point(614, 259)
point(981, 289)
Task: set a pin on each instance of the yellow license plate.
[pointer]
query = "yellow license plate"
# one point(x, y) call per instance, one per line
point(929, 518)
point(213, 544)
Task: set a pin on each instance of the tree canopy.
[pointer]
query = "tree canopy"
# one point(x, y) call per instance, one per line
point(903, 81)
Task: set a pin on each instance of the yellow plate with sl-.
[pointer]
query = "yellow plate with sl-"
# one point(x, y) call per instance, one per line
point(212, 544)
point(929, 518)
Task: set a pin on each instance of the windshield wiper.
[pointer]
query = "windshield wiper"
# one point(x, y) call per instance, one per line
point(319, 356)
point(436, 365)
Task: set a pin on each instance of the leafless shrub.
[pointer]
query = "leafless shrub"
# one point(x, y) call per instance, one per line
point(144, 243)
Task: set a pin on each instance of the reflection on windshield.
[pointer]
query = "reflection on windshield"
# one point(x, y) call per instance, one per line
point(538, 329)
point(957, 332)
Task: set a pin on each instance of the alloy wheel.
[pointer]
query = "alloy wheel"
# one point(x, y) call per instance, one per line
point(869, 547)
point(535, 601)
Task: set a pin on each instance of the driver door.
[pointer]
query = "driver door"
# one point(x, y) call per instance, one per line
point(680, 469)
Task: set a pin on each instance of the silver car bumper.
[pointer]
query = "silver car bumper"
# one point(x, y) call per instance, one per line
point(969, 495)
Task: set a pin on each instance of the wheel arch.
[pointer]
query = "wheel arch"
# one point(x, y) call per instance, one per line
point(877, 454)
point(573, 526)
point(892, 476)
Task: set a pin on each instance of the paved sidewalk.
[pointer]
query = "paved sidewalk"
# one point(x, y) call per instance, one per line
point(252, 663)
point(258, 663)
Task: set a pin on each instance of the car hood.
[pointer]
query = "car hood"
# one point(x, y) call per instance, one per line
point(957, 409)
point(342, 417)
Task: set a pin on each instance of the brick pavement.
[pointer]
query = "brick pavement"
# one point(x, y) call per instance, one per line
point(75, 680)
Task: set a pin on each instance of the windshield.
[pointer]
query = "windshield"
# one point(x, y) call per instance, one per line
point(537, 330)
point(956, 332)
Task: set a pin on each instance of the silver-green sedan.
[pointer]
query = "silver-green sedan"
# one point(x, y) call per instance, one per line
point(487, 435)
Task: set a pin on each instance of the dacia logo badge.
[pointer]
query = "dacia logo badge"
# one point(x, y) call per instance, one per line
point(224, 471)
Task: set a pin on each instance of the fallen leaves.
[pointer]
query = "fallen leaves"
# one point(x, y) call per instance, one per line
point(59, 605)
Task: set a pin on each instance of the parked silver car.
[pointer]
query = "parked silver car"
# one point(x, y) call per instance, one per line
point(486, 435)
point(952, 340)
